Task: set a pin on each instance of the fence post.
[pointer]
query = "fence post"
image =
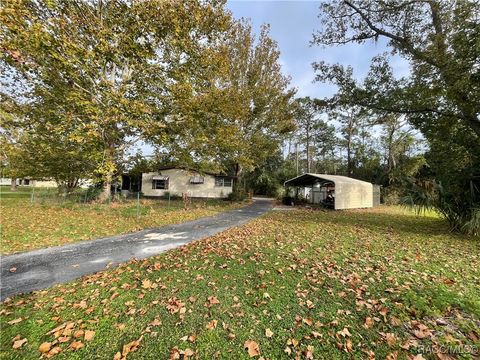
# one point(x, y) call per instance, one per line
point(168, 206)
point(138, 204)
point(33, 194)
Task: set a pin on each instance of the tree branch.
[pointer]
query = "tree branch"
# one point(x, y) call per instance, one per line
point(401, 41)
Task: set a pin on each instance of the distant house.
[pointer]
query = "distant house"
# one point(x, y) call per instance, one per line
point(29, 182)
point(45, 183)
point(177, 181)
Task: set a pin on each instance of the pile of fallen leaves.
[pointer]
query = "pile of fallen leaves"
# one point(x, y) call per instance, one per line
point(303, 284)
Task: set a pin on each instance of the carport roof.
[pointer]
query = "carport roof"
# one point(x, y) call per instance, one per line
point(309, 179)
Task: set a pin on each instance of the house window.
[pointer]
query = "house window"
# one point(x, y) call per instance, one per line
point(197, 180)
point(223, 181)
point(160, 184)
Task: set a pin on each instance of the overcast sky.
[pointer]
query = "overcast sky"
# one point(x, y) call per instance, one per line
point(292, 25)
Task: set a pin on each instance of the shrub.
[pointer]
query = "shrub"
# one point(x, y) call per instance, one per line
point(429, 194)
point(237, 195)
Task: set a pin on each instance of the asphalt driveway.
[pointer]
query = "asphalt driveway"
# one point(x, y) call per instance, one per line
point(39, 269)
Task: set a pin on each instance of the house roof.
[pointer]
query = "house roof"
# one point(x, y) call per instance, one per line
point(311, 178)
point(190, 169)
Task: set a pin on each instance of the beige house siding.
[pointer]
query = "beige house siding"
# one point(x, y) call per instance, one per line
point(84, 184)
point(353, 195)
point(179, 183)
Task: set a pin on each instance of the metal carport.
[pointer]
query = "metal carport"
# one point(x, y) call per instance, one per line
point(349, 193)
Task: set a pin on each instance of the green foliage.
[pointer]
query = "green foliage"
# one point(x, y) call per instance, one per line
point(238, 118)
point(462, 213)
point(99, 74)
point(441, 98)
point(269, 178)
point(238, 195)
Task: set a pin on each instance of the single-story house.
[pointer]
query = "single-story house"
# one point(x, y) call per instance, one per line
point(178, 181)
point(45, 183)
point(29, 182)
point(343, 192)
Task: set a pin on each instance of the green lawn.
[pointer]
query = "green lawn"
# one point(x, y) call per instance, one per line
point(50, 221)
point(381, 283)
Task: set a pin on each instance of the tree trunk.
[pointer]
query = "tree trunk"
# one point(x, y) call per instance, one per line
point(71, 185)
point(296, 156)
point(350, 130)
point(108, 179)
point(308, 151)
point(236, 179)
point(106, 189)
point(349, 156)
point(13, 184)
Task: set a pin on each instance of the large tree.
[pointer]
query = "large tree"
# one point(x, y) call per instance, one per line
point(306, 121)
point(107, 70)
point(238, 118)
point(441, 97)
point(439, 39)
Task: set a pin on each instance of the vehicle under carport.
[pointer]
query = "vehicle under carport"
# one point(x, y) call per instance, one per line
point(349, 193)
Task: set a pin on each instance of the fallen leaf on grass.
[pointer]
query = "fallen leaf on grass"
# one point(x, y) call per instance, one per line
point(344, 332)
point(187, 353)
point(212, 325)
point(56, 350)
point(308, 321)
point(89, 334)
point(76, 345)
point(422, 331)
point(390, 338)
point(368, 323)
point(395, 321)
point(156, 322)
point(268, 333)
point(45, 347)
point(18, 342)
point(147, 284)
point(293, 342)
point(349, 346)
point(14, 321)
point(392, 356)
point(130, 347)
point(213, 300)
point(175, 305)
point(252, 348)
